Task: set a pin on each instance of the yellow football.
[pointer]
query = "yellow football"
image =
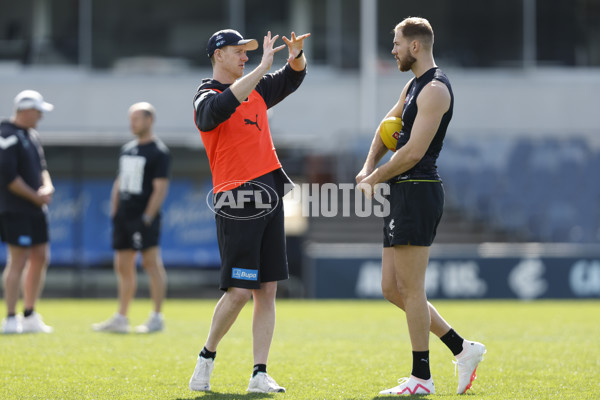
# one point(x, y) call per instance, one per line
point(389, 130)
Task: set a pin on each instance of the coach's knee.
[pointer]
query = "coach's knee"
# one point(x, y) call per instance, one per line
point(268, 290)
point(238, 296)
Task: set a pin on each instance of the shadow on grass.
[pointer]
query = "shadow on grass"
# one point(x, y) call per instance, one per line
point(229, 396)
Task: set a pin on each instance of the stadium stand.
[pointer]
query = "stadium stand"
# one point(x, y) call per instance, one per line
point(538, 189)
point(513, 189)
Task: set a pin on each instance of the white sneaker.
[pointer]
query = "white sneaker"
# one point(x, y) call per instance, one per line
point(35, 324)
point(411, 385)
point(154, 323)
point(11, 325)
point(467, 362)
point(200, 380)
point(117, 324)
point(263, 383)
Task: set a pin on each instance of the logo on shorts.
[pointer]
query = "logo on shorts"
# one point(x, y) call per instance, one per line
point(259, 198)
point(392, 227)
point(244, 274)
point(24, 240)
point(137, 240)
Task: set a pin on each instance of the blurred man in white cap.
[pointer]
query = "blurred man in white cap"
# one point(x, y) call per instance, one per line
point(25, 192)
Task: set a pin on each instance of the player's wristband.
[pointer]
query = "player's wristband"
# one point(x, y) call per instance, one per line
point(300, 54)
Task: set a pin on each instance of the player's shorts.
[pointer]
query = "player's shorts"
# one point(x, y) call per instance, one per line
point(130, 233)
point(23, 230)
point(253, 250)
point(416, 209)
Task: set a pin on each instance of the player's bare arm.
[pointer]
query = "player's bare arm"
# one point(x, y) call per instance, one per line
point(114, 198)
point(433, 102)
point(160, 188)
point(378, 149)
point(47, 187)
point(295, 46)
point(20, 188)
point(242, 87)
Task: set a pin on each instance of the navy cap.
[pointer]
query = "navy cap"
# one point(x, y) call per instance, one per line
point(228, 37)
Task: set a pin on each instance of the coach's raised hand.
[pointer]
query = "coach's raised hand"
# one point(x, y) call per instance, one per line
point(295, 46)
point(244, 86)
point(269, 51)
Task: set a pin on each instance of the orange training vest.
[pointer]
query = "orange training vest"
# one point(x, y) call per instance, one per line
point(241, 148)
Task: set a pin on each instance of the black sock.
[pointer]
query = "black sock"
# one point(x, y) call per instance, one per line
point(208, 354)
point(453, 341)
point(27, 312)
point(421, 365)
point(259, 368)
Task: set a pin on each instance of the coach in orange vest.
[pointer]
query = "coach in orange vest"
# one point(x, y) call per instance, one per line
point(230, 111)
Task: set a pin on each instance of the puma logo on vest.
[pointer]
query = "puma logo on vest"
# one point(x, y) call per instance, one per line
point(250, 122)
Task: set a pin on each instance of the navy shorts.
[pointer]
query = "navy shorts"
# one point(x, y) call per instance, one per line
point(253, 250)
point(130, 233)
point(23, 230)
point(416, 209)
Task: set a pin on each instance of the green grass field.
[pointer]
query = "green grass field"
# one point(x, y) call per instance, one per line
point(321, 350)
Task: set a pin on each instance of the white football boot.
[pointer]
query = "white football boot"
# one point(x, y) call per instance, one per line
point(116, 324)
point(12, 325)
point(200, 380)
point(35, 324)
point(411, 385)
point(467, 362)
point(155, 323)
point(263, 383)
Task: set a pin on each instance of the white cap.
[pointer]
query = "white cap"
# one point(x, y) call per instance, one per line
point(29, 99)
